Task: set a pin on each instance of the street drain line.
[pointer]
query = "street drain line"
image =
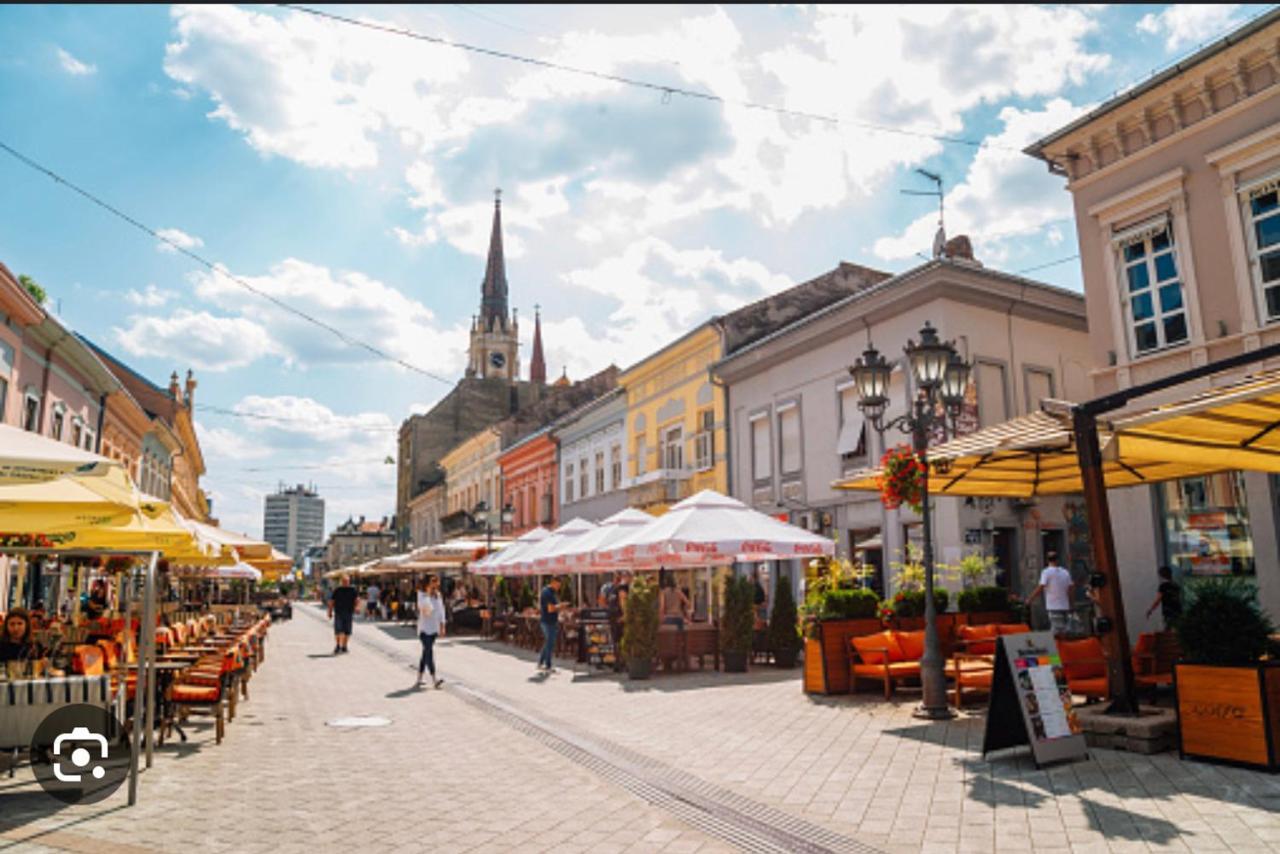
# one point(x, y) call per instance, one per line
point(733, 818)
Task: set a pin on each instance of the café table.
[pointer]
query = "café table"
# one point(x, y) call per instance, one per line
point(166, 671)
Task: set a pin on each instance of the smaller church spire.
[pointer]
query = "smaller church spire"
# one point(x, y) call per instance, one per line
point(537, 365)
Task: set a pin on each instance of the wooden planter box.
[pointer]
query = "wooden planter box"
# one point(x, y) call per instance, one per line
point(1229, 714)
point(826, 659)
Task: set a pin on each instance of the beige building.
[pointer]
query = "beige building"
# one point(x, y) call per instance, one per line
point(426, 509)
point(471, 471)
point(1176, 187)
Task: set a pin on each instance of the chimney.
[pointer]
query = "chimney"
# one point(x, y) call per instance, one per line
point(191, 390)
point(174, 389)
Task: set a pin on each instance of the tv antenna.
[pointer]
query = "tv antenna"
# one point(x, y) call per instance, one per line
point(940, 238)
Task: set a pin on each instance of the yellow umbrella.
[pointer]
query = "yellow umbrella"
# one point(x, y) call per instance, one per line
point(248, 548)
point(27, 457)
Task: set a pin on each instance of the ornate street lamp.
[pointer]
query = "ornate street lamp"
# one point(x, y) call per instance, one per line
point(941, 376)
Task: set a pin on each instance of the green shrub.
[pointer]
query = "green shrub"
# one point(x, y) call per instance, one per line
point(988, 598)
point(640, 624)
point(1222, 623)
point(849, 605)
point(739, 615)
point(784, 634)
point(910, 603)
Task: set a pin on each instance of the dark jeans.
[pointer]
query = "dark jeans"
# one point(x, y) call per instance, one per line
point(549, 642)
point(428, 661)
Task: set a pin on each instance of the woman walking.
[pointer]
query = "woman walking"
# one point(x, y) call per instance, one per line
point(431, 624)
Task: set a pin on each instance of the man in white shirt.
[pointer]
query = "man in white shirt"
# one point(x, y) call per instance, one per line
point(371, 610)
point(431, 624)
point(1056, 584)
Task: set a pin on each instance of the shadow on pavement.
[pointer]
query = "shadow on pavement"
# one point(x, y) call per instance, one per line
point(322, 655)
point(23, 808)
point(406, 692)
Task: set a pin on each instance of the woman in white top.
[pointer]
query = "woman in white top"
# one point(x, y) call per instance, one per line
point(431, 624)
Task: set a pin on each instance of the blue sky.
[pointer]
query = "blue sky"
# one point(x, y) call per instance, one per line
point(350, 172)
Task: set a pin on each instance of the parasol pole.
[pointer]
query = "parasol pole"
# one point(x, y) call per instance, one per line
point(149, 648)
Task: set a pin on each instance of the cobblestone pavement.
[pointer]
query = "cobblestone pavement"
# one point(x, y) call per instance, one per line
point(502, 760)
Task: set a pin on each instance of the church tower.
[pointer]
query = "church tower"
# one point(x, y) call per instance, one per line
point(495, 335)
point(537, 364)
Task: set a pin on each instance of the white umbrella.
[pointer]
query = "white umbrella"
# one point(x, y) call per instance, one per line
point(542, 556)
point(500, 562)
point(581, 553)
point(709, 529)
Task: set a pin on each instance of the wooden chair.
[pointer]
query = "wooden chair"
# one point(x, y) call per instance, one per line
point(970, 674)
point(1084, 662)
point(1154, 655)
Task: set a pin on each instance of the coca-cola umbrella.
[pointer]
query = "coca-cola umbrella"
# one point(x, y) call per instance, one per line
point(710, 529)
point(544, 558)
point(581, 554)
point(501, 563)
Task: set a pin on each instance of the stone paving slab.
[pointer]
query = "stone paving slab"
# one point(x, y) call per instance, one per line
point(441, 777)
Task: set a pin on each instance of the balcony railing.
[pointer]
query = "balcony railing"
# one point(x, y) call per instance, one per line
point(661, 486)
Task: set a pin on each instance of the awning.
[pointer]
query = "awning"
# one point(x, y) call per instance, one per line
point(1232, 427)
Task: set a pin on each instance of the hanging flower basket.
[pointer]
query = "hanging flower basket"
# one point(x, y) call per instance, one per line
point(25, 541)
point(902, 478)
point(118, 563)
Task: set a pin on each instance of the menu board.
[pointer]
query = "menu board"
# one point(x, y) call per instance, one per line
point(1030, 701)
point(598, 648)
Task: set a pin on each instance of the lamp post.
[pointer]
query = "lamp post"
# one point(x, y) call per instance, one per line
point(504, 519)
point(941, 376)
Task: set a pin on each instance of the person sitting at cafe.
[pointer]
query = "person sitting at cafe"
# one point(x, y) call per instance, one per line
point(97, 603)
point(16, 642)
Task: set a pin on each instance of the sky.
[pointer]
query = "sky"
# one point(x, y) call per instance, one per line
point(349, 172)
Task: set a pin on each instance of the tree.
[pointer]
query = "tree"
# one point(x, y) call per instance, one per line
point(33, 287)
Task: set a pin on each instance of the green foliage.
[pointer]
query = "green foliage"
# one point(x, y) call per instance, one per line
point(739, 615)
point(909, 569)
point(1223, 623)
point(502, 593)
point(568, 592)
point(849, 605)
point(784, 632)
point(640, 626)
point(974, 568)
point(977, 599)
point(524, 597)
point(33, 287)
point(910, 603)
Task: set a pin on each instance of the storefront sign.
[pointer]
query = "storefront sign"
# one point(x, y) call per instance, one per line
point(598, 646)
point(1030, 701)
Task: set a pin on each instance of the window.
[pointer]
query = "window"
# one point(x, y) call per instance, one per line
point(673, 449)
point(1039, 387)
point(993, 405)
point(31, 413)
point(57, 422)
point(90, 440)
point(599, 472)
point(77, 431)
point(568, 483)
point(615, 463)
point(1153, 294)
point(547, 515)
point(641, 455)
point(852, 441)
point(761, 450)
point(1262, 212)
point(584, 478)
point(1206, 525)
point(704, 450)
point(789, 456)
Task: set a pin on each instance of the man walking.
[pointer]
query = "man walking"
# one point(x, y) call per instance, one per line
point(431, 625)
point(342, 610)
point(371, 609)
point(548, 615)
point(1056, 584)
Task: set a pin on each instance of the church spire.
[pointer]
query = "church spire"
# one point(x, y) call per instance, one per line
point(493, 293)
point(537, 365)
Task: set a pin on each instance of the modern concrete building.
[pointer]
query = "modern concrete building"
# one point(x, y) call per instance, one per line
point(293, 520)
point(794, 424)
point(593, 458)
point(1176, 187)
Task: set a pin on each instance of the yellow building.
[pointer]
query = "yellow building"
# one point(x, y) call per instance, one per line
point(675, 422)
point(471, 472)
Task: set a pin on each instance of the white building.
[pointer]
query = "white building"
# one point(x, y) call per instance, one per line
point(293, 520)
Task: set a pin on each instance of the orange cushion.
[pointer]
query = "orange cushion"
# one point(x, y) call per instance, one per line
point(911, 644)
point(976, 678)
point(979, 639)
point(1013, 628)
point(871, 648)
point(87, 660)
point(195, 694)
point(897, 668)
point(1086, 651)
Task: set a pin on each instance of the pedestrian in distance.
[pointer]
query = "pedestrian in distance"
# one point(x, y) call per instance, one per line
point(431, 625)
point(371, 609)
point(548, 615)
point(342, 610)
point(616, 602)
point(1056, 584)
point(1168, 598)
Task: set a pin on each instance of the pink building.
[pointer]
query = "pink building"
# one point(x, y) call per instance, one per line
point(17, 311)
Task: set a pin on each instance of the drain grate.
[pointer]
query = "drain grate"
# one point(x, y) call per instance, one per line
point(733, 818)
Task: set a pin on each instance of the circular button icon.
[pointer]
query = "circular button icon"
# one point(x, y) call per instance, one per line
point(79, 754)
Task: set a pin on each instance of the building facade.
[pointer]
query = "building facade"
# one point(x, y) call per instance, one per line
point(426, 514)
point(1176, 188)
point(593, 458)
point(529, 482)
point(293, 520)
point(358, 541)
point(472, 473)
point(18, 310)
point(795, 426)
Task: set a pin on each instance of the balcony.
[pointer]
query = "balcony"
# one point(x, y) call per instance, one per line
point(660, 486)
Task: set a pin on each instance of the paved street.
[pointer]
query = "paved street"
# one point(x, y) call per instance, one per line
point(501, 760)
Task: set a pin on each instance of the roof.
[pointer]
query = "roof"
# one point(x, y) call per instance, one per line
point(1261, 22)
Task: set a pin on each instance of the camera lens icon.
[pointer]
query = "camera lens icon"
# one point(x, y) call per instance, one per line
point(78, 755)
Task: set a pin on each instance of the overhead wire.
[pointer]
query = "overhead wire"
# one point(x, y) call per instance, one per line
point(217, 269)
point(285, 419)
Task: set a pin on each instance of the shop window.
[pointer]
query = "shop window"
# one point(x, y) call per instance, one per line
point(1262, 213)
point(1151, 288)
point(1206, 525)
point(761, 449)
point(789, 452)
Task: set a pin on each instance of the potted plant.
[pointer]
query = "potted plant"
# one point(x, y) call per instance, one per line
point(784, 636)
point(1226, 687)
point(838, 606)
point(908, 602)
point(737, 623)
point(986, 604)
point(640, 629)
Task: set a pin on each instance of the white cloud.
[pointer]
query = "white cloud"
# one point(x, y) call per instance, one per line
point(1005, 195)
point(149, 297)
point(1186, 24)
point(206, 341)
point(73, 66)
point(176, 239)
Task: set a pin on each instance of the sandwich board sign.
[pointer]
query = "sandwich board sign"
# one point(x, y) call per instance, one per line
point(1031, 703)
